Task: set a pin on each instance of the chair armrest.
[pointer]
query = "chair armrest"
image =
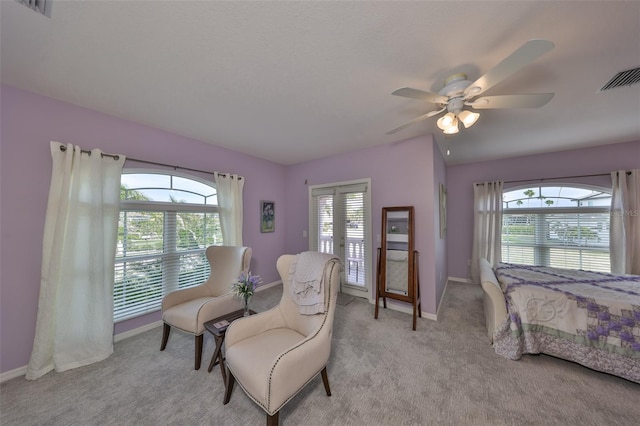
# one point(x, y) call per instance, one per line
point(307, 359)
point(183, 295)
point(217, 307)
point(243, 328)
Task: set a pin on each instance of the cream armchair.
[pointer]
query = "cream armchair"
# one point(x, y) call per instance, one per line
point(188, 309)
point(274, 354)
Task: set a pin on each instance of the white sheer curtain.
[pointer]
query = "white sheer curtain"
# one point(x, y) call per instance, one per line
point(230, 207)
point(487, 225)
point(625, 222)
point(75, 309)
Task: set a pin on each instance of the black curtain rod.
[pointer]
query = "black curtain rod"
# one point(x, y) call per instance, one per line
point(554, 178)
point(117, 157)
point(63, 148)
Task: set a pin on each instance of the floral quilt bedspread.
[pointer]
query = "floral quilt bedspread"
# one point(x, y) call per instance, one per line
point(591, 318)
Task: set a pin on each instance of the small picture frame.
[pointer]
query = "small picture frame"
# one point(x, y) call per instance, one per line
point(267, 216)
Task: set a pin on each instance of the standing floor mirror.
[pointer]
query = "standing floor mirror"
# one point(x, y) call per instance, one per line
point(397, 266)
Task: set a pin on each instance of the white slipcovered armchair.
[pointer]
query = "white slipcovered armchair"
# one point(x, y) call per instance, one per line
point(188, 309)
point(274, 354)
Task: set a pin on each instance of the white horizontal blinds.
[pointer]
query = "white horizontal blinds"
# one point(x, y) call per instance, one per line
point(159, 252)
point(323, 203)
point(165, 227)
point(194, 232)
point(351, 222)
point(138, 266)
point(569, 239)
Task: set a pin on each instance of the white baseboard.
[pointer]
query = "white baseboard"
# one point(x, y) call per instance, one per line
point(444, 292)
point(460, 280)
point(130, 333)
point(271, 284)
point(409, 310)
point(405, 309)
point(21, 371)
point(17, 372)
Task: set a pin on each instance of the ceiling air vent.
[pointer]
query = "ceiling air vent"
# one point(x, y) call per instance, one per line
point(41, 6)
point(623, 78)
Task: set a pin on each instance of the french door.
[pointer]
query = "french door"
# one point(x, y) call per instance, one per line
point(340, 224)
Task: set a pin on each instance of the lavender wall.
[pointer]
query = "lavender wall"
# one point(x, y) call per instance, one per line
point(596, 160)
point(440, 260)
point(29, 122)
point(401, 174)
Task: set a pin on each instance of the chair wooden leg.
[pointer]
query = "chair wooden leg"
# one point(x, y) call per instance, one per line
point(199, 340)
point(325, 380)
point(227, 393)
point(273, 420)
point(165, 336)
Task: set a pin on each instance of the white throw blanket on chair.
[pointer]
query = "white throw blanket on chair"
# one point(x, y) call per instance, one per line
point(307, 281)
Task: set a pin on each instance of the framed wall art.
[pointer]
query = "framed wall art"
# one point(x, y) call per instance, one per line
point(267, 216)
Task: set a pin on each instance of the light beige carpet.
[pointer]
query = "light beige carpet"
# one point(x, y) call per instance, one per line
point(381, 373)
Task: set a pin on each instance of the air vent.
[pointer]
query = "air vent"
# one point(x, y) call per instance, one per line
point(40, 6)
point(623, 78)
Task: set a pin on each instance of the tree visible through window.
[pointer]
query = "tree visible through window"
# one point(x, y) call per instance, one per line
point(559, 226)
point(166, 223)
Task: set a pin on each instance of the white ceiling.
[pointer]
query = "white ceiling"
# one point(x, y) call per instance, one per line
point(296, 81)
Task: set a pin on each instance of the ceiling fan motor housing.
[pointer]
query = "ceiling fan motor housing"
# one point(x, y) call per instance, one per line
point(453, 89)
point(455, 105)
point(455, 86)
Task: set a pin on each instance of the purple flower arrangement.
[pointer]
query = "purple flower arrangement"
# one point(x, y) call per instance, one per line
point(246, 285)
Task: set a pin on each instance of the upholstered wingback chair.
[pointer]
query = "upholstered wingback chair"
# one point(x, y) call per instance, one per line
point(188, 309)
point(274, 354)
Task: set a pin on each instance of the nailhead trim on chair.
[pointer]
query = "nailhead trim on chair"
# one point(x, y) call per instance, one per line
point(280, 357)
point(297, 346)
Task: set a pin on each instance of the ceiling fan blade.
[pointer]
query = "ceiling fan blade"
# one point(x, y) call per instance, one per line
point(527, 53)
point(535, 100)
point(408, 92)
point(410, 122)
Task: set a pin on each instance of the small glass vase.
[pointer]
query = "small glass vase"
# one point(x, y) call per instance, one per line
point(245, 305)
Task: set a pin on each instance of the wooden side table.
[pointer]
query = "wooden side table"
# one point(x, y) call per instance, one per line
point(218, 336)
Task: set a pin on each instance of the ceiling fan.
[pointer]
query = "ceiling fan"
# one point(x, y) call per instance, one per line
point(458, 92)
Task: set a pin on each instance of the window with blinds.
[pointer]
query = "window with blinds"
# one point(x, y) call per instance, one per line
point(558, 226)
point(166, 223)
point(339, 222)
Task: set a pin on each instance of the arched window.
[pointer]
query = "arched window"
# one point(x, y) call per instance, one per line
point(167, 220)
point(557, 225)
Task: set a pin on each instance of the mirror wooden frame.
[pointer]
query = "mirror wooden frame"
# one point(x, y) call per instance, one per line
point(398, 246)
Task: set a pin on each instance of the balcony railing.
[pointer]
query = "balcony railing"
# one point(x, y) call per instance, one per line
point(354, 252)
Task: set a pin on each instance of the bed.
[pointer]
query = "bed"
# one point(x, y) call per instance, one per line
point(591, 318)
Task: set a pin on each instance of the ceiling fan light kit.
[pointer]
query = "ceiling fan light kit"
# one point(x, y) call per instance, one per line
point(468, 118)
point(459, 92)
point(453, 129)
point(446, 121)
